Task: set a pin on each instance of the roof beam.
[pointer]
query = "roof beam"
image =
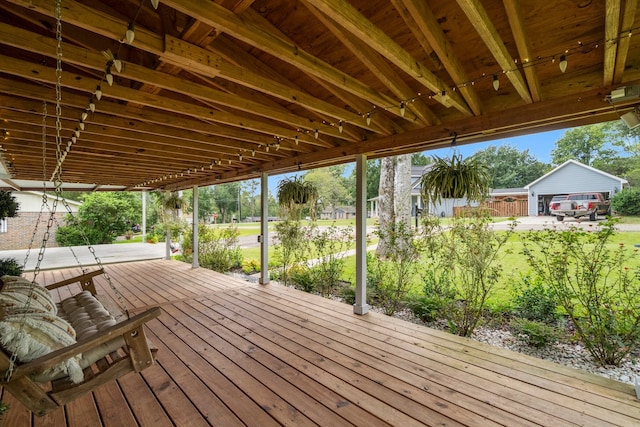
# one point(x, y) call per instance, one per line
point(516, 22)
point(378, 66)
point(628, 18)
point(611, 33)
point(350, 18)
point(480, 20)
point(421, 14)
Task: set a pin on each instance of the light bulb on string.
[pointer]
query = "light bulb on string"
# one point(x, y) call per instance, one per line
point(296, 139)
point(496, 82)
point(117, 63)
point(155, 3)
point(92, 105)
point(109, 76)
point(316, 134)
point(98, 93)
point(239, 157)
point(368, 119)
point(402, 109)
point(253, 153)
point(77, 132)
point(266, 148)
point(73, 139)
point(130, 35)
point(340, 126)
point(563, 63)
point(81, 125)
point(85, 113)
point(277, 146)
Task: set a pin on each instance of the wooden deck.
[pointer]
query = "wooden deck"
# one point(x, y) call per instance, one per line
point(233, 353)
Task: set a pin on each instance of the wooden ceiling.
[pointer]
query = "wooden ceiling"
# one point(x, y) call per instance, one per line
point(216, 91)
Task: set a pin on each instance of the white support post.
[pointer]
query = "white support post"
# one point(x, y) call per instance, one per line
point(195, 263)
point(144, 216)
point(264, 229)
point(361, 306)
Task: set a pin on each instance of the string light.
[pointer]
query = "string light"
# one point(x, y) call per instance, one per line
point(130, 35)
point(368, 119)
point(109, 76)
point(340, 126)
point(85, 113)
point(402, 109)
point(317, 132)
point(92, 105)
point(155, 3)
point(98, 93)
point(496, 82)
point(563, 63)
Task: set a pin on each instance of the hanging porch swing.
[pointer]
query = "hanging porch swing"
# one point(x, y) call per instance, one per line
point(52, 353)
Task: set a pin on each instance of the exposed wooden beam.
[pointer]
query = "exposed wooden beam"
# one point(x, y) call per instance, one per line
point(378, 66)
point(611, 33)
point(350, 18)
point(628, 19)
point(257, 32)
point(424, 19)
point(488, 33)
point(517, 24)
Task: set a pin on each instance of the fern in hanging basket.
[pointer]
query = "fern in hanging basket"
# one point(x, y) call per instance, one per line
point(455, 179)
point(294, 192)
point(8, 205)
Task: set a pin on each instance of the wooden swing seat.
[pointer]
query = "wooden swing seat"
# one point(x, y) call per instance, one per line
point(115, 351)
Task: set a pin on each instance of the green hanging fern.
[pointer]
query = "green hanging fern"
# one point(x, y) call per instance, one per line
point(295, 192)
point(455, 179)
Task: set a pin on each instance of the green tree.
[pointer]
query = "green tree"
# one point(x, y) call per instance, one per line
point(419, 159)
point(509, 167)
point(8, 205)
point(586, 144)
point(206, 202)
point(101, 218)
point(226, 197)
point(373, 179)
point(331, 185)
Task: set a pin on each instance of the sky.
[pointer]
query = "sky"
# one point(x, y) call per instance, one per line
point(539, 146)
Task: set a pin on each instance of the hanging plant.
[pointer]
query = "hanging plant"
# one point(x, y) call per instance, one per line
point(294, 192)
point(173, 201)
point(8, 205)
point(455, 179)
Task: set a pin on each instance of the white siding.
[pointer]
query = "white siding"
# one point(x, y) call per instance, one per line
point(32, 202)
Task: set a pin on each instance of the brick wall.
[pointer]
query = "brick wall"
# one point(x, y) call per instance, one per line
point(20, 231)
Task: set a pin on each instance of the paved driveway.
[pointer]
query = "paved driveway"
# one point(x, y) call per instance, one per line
point(540, 222)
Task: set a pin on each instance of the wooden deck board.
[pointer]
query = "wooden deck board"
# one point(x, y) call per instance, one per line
point(232, 353)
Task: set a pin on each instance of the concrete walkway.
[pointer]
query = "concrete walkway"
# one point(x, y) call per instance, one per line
point(57, 258)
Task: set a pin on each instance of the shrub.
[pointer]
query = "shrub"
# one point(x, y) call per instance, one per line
point(291, 247)
point(534, 333)
point(534, 300)
point(327, 249)
point(426, 308)
point(303, 278)
point(390, 279)
point(348, 294)
point(10, 267)
point(627, 202)
point(593, 284)
point(218, 249)
point(250, 266)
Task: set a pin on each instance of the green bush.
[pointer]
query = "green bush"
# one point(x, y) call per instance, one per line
point(10, 267)
point(426, 308)
point(218, 249)
point(594, 285)
point(348, 294)
point(250, 266)
point(534, 300)
point(534, 333)
point(627, 202)
point(328, 248)
point(292, 246)
point(303, 278)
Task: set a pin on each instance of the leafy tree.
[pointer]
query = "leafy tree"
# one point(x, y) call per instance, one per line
point(373, 179)
point(509, 167)
point(419, 159)
point(250, 197)
point(586, 144)
point(331, 185)
point(101, 218)
point(206, 203)
point(627, 202)
point(226, 197)
point(8, 205)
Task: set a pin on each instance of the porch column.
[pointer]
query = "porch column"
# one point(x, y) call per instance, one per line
point(361, 306)
point(144, 216)
point(195, 263)
point(264, 229)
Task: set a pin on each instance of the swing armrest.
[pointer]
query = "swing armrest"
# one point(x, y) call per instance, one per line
point(54, 358)
point(85, 281)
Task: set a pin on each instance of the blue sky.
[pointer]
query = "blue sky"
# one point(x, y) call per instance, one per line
point(539, 146)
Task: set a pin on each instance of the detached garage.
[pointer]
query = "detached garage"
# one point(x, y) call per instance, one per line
point(570, 177)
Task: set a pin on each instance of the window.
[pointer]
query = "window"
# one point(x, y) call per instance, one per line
point(3, 225)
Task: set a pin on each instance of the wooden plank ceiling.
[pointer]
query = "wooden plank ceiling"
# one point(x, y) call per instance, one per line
point(216, 91)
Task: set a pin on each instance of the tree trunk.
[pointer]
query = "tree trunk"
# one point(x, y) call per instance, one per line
point(386, 213)
point(402, 196)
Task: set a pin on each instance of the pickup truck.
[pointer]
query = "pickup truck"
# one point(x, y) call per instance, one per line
point(577, 205)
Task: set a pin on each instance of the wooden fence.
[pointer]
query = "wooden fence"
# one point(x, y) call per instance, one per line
point(500, 208)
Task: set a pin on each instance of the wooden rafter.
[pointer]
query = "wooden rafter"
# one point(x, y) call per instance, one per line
point(628, 19)
point(516, 22)
point(377, 64)
point(428, 25)
point(487, 31)
point(611, 32)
